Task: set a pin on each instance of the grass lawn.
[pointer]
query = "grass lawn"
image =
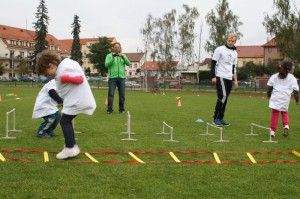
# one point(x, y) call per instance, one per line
point(24, 174)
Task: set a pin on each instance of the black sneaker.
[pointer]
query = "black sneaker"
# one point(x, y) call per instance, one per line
point(121, 112)
point(108, 112)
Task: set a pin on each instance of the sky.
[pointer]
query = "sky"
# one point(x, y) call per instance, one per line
point(123, 19)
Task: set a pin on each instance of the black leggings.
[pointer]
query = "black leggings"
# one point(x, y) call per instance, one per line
point(68, 130)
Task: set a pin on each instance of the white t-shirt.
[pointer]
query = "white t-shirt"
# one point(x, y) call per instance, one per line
point(78, 98)
point(44, 104)
point(282, 90)
point(225, 58)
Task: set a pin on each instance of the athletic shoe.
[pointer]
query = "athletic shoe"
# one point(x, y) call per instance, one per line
point(121, 112)
point(224, 123)
point(272, 133)
point(52, 134)
point(217, 122)
point(286, 131)
point(108, 112)
point(68, 152)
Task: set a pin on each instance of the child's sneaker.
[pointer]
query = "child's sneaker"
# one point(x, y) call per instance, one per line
point(286, 130)
point(272, 133)
point(68, 152)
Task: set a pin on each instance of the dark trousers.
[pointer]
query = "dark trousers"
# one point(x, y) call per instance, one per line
point(223, 87)
point(68, 130)
point(112, 84)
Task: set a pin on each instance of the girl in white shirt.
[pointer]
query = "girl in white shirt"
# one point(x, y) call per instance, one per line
point(74, 88)
point(280, 87)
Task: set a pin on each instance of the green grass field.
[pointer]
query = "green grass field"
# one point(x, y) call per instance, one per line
point(24, 174)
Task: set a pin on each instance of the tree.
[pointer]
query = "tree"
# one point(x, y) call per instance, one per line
point(186, 23)
point(285, 26)
point(147, 33)
point(24, 67)
point(1, 68)
point(221, 24)
point(41, 30)
point(76, 53)
point(98, 52)
point(164, 36)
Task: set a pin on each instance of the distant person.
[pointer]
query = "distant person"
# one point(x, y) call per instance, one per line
point(46, 107)
point(73, 87)
point(280, 87)
point(223, 69)
point(115, 62)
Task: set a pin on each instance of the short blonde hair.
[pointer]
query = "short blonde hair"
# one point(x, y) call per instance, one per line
point(232, 35)
point(43, 60)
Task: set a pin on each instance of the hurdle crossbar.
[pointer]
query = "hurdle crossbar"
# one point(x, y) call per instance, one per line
point(171, 132)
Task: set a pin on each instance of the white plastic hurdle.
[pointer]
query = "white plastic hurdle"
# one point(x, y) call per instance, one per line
point(259, 126)
point(221, 132)
point(251, 129)
point(171, 132)
point(128, 128)
point(269, 130)
point(7, 124)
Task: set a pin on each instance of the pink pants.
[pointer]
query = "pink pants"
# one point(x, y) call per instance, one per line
point(275, 116)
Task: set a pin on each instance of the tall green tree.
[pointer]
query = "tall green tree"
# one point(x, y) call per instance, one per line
point(98, 52)
point(285, 26)
point(147, 32)
point(1, 68)
point(41, 30)
point(221, 22)
point(186, 23)
point(76, 53)
point(164, 41)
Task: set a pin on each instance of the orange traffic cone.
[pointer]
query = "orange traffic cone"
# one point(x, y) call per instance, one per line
point(0, 98)
point(106, 102)
point(179, 103)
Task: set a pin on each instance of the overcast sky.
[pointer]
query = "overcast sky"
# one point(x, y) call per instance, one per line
point(123, 19)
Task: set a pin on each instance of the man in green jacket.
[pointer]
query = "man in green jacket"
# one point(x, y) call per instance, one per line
point(115, 62)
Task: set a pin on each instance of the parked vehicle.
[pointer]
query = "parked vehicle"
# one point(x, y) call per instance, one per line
point(3, 79)
point(158, 84)
point(187, 82)
point(41, 79)
point(26, 79)
point(176, 85)
point(93, 79)
point(15, 79)
point(132, 84)
point(104, 79)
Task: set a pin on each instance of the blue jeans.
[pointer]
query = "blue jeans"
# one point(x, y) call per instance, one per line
point(112, 84)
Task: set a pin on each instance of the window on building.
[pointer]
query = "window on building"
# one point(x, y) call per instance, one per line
point(244, 63)
point(22, 54)
point(269, 50)
point(12, 42)
point(135, 65)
